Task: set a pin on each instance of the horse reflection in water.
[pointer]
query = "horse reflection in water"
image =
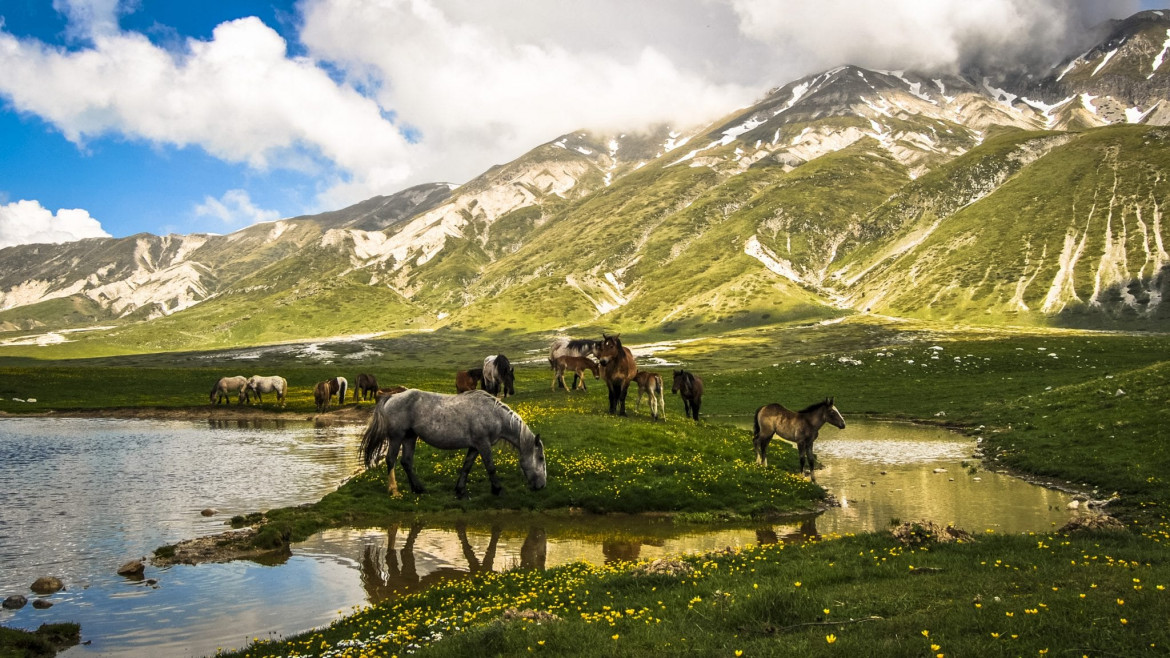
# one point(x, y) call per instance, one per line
point(394, 572)
point(806, 532)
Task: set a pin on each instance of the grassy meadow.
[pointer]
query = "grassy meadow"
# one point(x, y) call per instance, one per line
point(1084, 410)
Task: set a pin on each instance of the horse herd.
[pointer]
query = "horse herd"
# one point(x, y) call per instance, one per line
point(473, 419)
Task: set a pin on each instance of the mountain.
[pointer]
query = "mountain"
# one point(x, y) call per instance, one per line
point(979, 197)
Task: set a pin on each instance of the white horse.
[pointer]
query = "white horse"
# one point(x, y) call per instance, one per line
point(219, 392)
point(470, 421)
point(274, 384)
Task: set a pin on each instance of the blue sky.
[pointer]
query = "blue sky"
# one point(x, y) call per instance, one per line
point(122, 116)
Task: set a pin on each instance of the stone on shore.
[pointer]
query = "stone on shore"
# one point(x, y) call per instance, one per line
point(15, 602)
point(42, 604)
point(132, 569)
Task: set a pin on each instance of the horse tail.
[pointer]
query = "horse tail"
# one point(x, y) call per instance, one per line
point(756, 423)
point(374, 437)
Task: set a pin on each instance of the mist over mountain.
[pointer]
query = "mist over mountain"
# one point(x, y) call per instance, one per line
point(1010, 187)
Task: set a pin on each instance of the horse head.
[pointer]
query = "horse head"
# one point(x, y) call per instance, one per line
point(610, 348)
point(532, 463)
point(834, 417)
point(682, 382)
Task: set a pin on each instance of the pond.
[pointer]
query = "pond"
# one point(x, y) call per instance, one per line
point(82, 496)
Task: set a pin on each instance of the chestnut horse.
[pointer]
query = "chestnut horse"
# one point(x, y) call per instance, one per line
point(690, 388)
point(618, 369)
point(321, 396)
point(468, 380)
point(800, 427)
point(578, 364)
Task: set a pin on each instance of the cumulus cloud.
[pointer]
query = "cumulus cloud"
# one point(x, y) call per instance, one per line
point(235, 208)
point(27, 222)
point(239, 96)
point(482, 83)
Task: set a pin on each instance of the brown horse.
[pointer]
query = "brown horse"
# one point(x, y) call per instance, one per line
point(468, 380)
point(690, 388)
point(393, 390)
point(650, 384)
point(321, 395)
point(367, 387)
point(578, 364)
point(618, 369)
point(800, 427)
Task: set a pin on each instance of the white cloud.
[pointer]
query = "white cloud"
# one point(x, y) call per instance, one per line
point(239, 96)
point(235, 208)
point(482, 86)
point(923, 34)
point(27, 222)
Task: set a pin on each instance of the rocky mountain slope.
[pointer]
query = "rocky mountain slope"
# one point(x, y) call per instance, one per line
point(977, 198)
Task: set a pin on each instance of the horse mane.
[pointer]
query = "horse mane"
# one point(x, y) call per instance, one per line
point(515, 422)
point(814, 406)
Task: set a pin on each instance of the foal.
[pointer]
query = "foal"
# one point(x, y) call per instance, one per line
point(800, 427)
point(650, 384)
point(578, 364)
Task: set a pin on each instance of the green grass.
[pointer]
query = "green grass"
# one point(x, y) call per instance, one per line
point(43, 642)
point(1058, 417)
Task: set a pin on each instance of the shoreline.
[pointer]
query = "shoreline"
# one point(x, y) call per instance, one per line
point(348, 414)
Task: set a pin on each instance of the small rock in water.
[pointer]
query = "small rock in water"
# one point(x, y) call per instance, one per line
point(15, 602)
point(47, 585)
point(209, 512)
point(42, 604)
point(133, 568)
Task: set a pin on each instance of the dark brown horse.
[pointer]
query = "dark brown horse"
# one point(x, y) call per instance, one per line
point(690, 388)
point(367, 387)
point(468, 380)
point(618, 369)
point(393, 390)
point(800, 427)
point(577, 364)
point(321, 395)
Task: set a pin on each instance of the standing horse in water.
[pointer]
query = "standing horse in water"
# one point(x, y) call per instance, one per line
point(219, 392)
point(258, 385)
point(650, 384)
point(575, 347)
point(367, 387)
point(338, 386)
point(578, 364)
point(690, 389)
point(471, 421)
point(498, 374)
point(800, 427)
point(618, 369)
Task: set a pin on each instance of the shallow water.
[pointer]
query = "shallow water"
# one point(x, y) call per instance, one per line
point(83, 496)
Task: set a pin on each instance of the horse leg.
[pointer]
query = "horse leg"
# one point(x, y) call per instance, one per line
point(695, 408)
point(613, 395)
point(625, 389)
point(408, 462)
point(391, 457)
point(461, 483)
point(490, 465)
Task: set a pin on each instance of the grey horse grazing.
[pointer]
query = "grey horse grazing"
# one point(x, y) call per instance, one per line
point(219, 392)
point(274, 384)
point(800, 427)
point(472, 421)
